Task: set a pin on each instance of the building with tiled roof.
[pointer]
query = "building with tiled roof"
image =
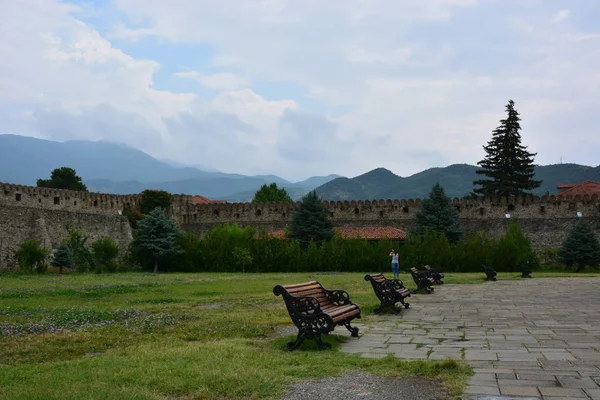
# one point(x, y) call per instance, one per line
point(368, 233)
point(205, 200)
point(588, 187)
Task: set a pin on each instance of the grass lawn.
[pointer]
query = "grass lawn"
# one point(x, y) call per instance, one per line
point(177, 336)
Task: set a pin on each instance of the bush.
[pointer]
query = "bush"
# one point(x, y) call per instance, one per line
point(62, 258)
point(513, 249)
point(30, 254)
point(82, 256)
point(581, 247)
point(105, 253)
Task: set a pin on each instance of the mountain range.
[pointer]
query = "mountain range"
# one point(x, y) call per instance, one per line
point(119, 169)
point(116, 168)
point(456, 179)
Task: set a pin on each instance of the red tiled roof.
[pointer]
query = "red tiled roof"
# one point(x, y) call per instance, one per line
point(205, 200)
point(587, 187)
point(370, 233)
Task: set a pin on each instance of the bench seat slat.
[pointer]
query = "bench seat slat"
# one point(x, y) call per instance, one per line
point(336, 311)
point(346, 315)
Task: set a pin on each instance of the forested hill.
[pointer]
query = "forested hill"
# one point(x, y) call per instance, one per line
point(456, 179)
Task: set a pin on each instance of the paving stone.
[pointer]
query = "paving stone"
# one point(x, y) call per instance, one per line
point(593, 393)
point(581, 382)
point(563, 392)
point(519, 391)
point(527, 345)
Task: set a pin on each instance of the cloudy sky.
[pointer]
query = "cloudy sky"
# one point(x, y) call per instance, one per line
point(304, 87)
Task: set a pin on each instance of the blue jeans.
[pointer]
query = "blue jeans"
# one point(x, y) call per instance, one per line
point(395, 269)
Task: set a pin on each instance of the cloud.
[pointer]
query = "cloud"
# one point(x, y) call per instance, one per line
point(302, 87)
point(561, 16)
point(225, 81)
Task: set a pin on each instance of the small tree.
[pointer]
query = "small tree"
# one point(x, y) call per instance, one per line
point(62, 258)
point(152, 199)
point(581, 247)
point(157, 234)
point(242, 257)
point(310, 222)
point(438, 214)
point(63, 178)
point(271, 194)
point(105, 253)
point(30, 254)
point(508, 165)
point(76, 240)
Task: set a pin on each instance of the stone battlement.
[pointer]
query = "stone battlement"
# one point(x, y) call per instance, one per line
point(41, 212)
point(186, 212)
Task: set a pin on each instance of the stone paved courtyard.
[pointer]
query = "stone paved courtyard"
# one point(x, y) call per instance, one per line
point(533, 338)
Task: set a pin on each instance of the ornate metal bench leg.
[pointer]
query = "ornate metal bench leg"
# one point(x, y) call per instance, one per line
point(379, 309)
point(292, 345)
point(323, 345)
point(406, 305)
point(353, 331)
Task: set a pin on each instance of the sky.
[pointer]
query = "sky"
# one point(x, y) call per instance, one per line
point(298, 88)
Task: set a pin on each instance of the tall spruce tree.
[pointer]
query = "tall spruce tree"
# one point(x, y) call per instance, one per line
point(438, 214)
point(63, 258)
point(581, 247)
point(310, 222)
point(157, 233)
point(508, 165)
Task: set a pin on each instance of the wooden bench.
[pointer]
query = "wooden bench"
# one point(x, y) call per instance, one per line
point(389, 292)
point(435, 274)
point(422, 280)
point(316, 311)
point(489, 272)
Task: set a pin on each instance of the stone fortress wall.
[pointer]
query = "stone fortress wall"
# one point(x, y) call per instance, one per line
point(32, 212)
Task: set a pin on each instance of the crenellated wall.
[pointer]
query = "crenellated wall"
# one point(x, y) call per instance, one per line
point(546, 220)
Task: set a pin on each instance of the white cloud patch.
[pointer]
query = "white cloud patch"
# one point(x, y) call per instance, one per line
point(561, 16)
point(222, 81)
point(297, 88)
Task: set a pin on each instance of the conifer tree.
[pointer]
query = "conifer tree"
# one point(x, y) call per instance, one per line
point(271, 194)
point(157, 233)
point(581, 247)
point(438, 214)
point(310, 222)
point(63, 178)
point(62, 258)
point(508, 165)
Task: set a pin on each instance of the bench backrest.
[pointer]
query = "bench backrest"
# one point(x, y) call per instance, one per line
point(376, 278)
point(306, 289)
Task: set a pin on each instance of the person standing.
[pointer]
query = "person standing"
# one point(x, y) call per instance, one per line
point(395, 264)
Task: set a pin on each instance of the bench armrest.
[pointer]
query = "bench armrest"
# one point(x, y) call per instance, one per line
point(338, 297)
point(304, 305)
point(396, 284)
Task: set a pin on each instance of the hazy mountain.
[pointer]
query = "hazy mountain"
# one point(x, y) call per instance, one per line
point(457, 180)
point(24, 160)
point(119, 169)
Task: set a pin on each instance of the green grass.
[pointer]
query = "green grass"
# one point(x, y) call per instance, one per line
point(176, 336)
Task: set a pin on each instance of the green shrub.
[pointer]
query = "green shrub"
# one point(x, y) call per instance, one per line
point(105, 253)
point(30, 254)
point(82, 256)
point(513, 249)
point(581, 247)
point(63, 258)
